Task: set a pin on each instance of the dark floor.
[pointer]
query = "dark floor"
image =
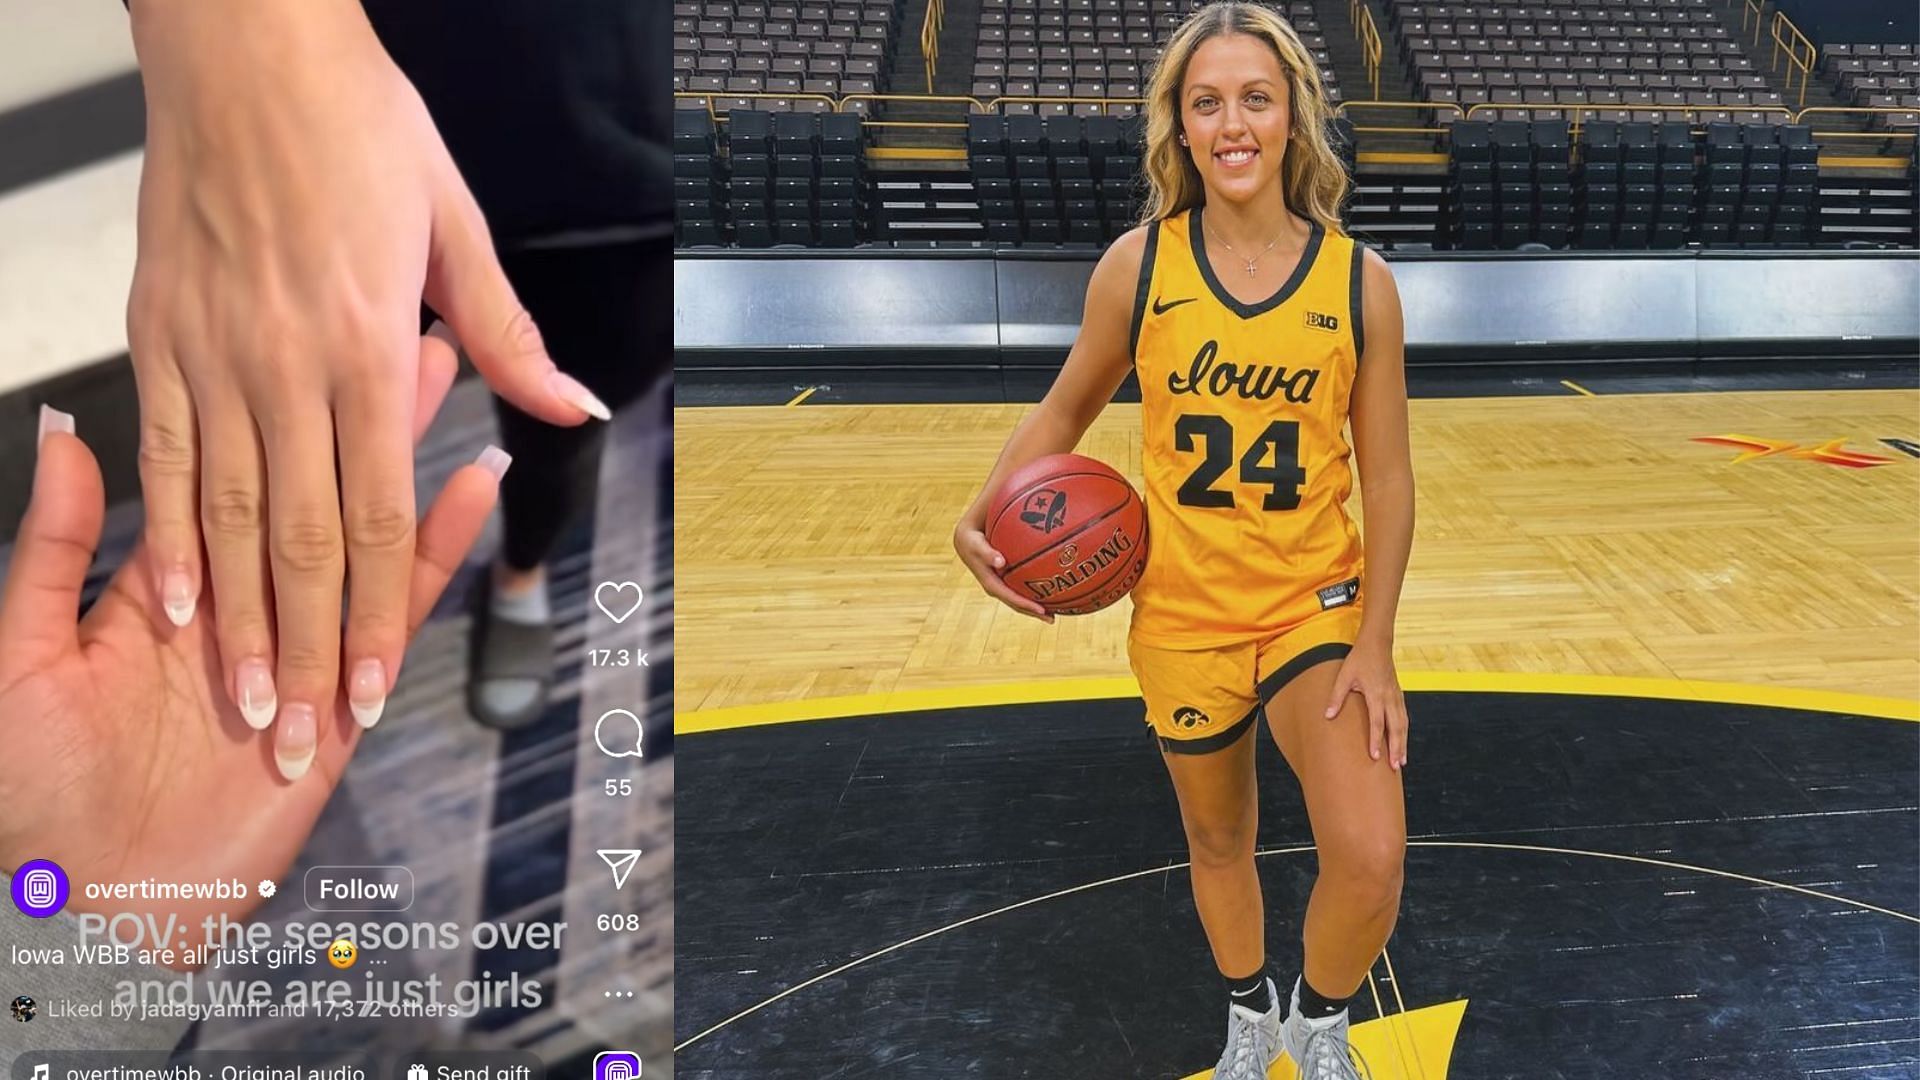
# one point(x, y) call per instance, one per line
point(894, 385)
point(807, 846)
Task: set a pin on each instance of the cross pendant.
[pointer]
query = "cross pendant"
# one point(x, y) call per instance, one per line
point(1250, 269)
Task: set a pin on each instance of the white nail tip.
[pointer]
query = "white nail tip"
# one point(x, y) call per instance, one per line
point(180, 614)
point(52, 419)
point(258, 717)
point(495, 460)
point(368, 715)
point(293, 768)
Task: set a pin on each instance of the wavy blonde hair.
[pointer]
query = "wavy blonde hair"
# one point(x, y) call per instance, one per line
point(1312, 179)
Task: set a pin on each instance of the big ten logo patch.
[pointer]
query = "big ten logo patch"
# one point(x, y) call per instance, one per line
point(1320, 320)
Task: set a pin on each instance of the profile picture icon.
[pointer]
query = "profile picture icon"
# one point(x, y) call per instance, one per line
point(40, 888)
point(24, 1008)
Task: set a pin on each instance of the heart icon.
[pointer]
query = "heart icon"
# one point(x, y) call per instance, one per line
point(619, 590)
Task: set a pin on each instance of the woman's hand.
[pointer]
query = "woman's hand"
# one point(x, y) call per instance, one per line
point(296, 206)
point(125, 761)
point(1369, 670)
point(970, 542)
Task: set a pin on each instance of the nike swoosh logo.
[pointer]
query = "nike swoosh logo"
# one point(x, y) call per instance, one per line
point(1161, 309)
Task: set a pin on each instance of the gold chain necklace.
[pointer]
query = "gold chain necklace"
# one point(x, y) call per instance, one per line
point(1250, 262)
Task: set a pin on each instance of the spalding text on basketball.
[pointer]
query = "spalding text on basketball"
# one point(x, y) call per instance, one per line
point(1117, 544)
point(1258, 381)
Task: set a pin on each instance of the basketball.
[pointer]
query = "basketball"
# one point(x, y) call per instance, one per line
point(1073, 532)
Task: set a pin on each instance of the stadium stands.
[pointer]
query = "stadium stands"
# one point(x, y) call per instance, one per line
point(1630, 60)
point(1878, 76)
point(1631, 124)
point(730, 48)
point(788, 178)
point(1092, 49)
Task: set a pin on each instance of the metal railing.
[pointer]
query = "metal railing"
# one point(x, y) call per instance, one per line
point(930, 37)
point(1870, 111)
point(705, 97)
point(1104, 102)
point(1370, 48)
point(1416, 106)
point(1754, 12)
point(1577, 113)
point(1798, 52)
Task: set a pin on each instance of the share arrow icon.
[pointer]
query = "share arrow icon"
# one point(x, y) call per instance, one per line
point(621, 861)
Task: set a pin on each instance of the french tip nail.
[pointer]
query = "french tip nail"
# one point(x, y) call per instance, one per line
point(258, 703)
point(292, 766)
point(495, 460)
point(297, 739)
point(367, 692)
point(570, 390)
point(52, 419)
point(178, 597)
point(258, 717)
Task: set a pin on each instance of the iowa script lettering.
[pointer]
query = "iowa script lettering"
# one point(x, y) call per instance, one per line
point(1258, 382)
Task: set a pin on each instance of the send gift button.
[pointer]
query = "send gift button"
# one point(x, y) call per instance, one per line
point(359, 888)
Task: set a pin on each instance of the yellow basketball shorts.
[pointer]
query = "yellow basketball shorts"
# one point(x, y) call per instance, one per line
point(1202, 700)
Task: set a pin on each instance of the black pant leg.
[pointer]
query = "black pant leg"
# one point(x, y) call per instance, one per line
point(606, 315)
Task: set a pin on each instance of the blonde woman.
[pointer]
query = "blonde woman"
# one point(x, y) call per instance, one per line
point(1258, 330)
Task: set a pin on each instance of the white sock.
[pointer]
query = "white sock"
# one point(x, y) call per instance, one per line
point(527, 607)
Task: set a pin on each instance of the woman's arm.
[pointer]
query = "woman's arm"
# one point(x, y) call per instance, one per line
point(1378, 411)
point(1379, 415)
point(1102, 355)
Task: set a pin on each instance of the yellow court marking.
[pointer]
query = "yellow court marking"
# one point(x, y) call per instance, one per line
point(1488, 682)
point(801, 396)
point(1577, 388)
point(1432, 1030)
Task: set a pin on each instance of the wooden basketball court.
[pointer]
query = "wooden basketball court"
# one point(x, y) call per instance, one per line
point(1575, 535)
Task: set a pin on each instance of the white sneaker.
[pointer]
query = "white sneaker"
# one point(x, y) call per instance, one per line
point(1253, 1041)
point(1319, 1047)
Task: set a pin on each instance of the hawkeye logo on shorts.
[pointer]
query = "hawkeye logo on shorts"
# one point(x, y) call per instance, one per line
point(1188, 717)
point(1321, 321)
point(1340, 595)
point(1045, 509)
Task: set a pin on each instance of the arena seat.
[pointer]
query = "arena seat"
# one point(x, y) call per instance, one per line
point(1093, 49)
point(736, 48)
point(794, 177)
point(1635, 59)
point(696, 179)
point(1880, 75)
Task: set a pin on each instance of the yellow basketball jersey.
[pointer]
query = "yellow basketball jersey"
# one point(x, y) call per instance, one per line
point(1243, 411)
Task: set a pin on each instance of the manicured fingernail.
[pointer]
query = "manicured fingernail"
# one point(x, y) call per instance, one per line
point(494, 460)
point(1375, 753)
point(445, 333)
point(568, 389)
point(52, 419)
point(367, 692)
point(179, 597)
point(254, 681)
point(294, 740)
